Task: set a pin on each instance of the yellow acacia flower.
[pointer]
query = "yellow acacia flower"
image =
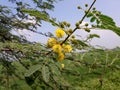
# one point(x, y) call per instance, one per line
point(67, 48)
point(60, 57)
point(57, 48)
point(59, 33)
point(51, 42)
point(62, 65)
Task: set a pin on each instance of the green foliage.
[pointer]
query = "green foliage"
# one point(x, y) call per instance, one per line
point(33, 66)
point(106, 20)
point(32, 70)
point(93, 36)
point(92, 19)
point(95, 69)
point(108, 23)
point(79, 44)
point(103, 21)
point(45, 73)
point(19, 16)
point(91, 67)
point(37, 14)
point(48, 4)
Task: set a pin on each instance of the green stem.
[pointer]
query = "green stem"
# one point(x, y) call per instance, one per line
point(7, 77)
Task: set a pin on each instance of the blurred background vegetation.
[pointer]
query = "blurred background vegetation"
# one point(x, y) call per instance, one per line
point(25, 65)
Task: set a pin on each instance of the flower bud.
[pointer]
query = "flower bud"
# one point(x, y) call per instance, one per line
point(86, 11)
point(86, 24)
point(73, 36)
point(87, 29)
point(77, 24)
point(94, 8)
point(80, 22)
point(61, 25)
point(62, 65)
point(86, 5)
point(65, 23)
point(79, 7)
point(68, 25)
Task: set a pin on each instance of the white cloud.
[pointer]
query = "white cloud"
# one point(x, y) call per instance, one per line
point(30, 36)
point(30, 19)
point(108, 39)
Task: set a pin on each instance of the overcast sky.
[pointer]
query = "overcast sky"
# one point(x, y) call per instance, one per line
point(66, 10)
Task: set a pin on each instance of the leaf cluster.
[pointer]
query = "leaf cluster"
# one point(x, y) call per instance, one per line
point(102, 21)
point(35, 70)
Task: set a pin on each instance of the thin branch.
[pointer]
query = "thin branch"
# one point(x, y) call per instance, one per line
point(81, 22)
point(75, 27)
point(44, 34)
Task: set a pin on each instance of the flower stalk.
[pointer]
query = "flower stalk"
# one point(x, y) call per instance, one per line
point(80, 22)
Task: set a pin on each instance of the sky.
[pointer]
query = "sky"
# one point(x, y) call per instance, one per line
point(66, 10)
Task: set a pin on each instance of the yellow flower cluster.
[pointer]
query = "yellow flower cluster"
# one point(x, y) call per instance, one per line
point(60, 56)
point(60, 50)
point(57, 48)
point(62, 65)
point(67, 48)
point(55, 45)
point(59, 33)
point(51, 42)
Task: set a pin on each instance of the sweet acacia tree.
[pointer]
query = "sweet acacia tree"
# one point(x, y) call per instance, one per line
point(52, 66)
